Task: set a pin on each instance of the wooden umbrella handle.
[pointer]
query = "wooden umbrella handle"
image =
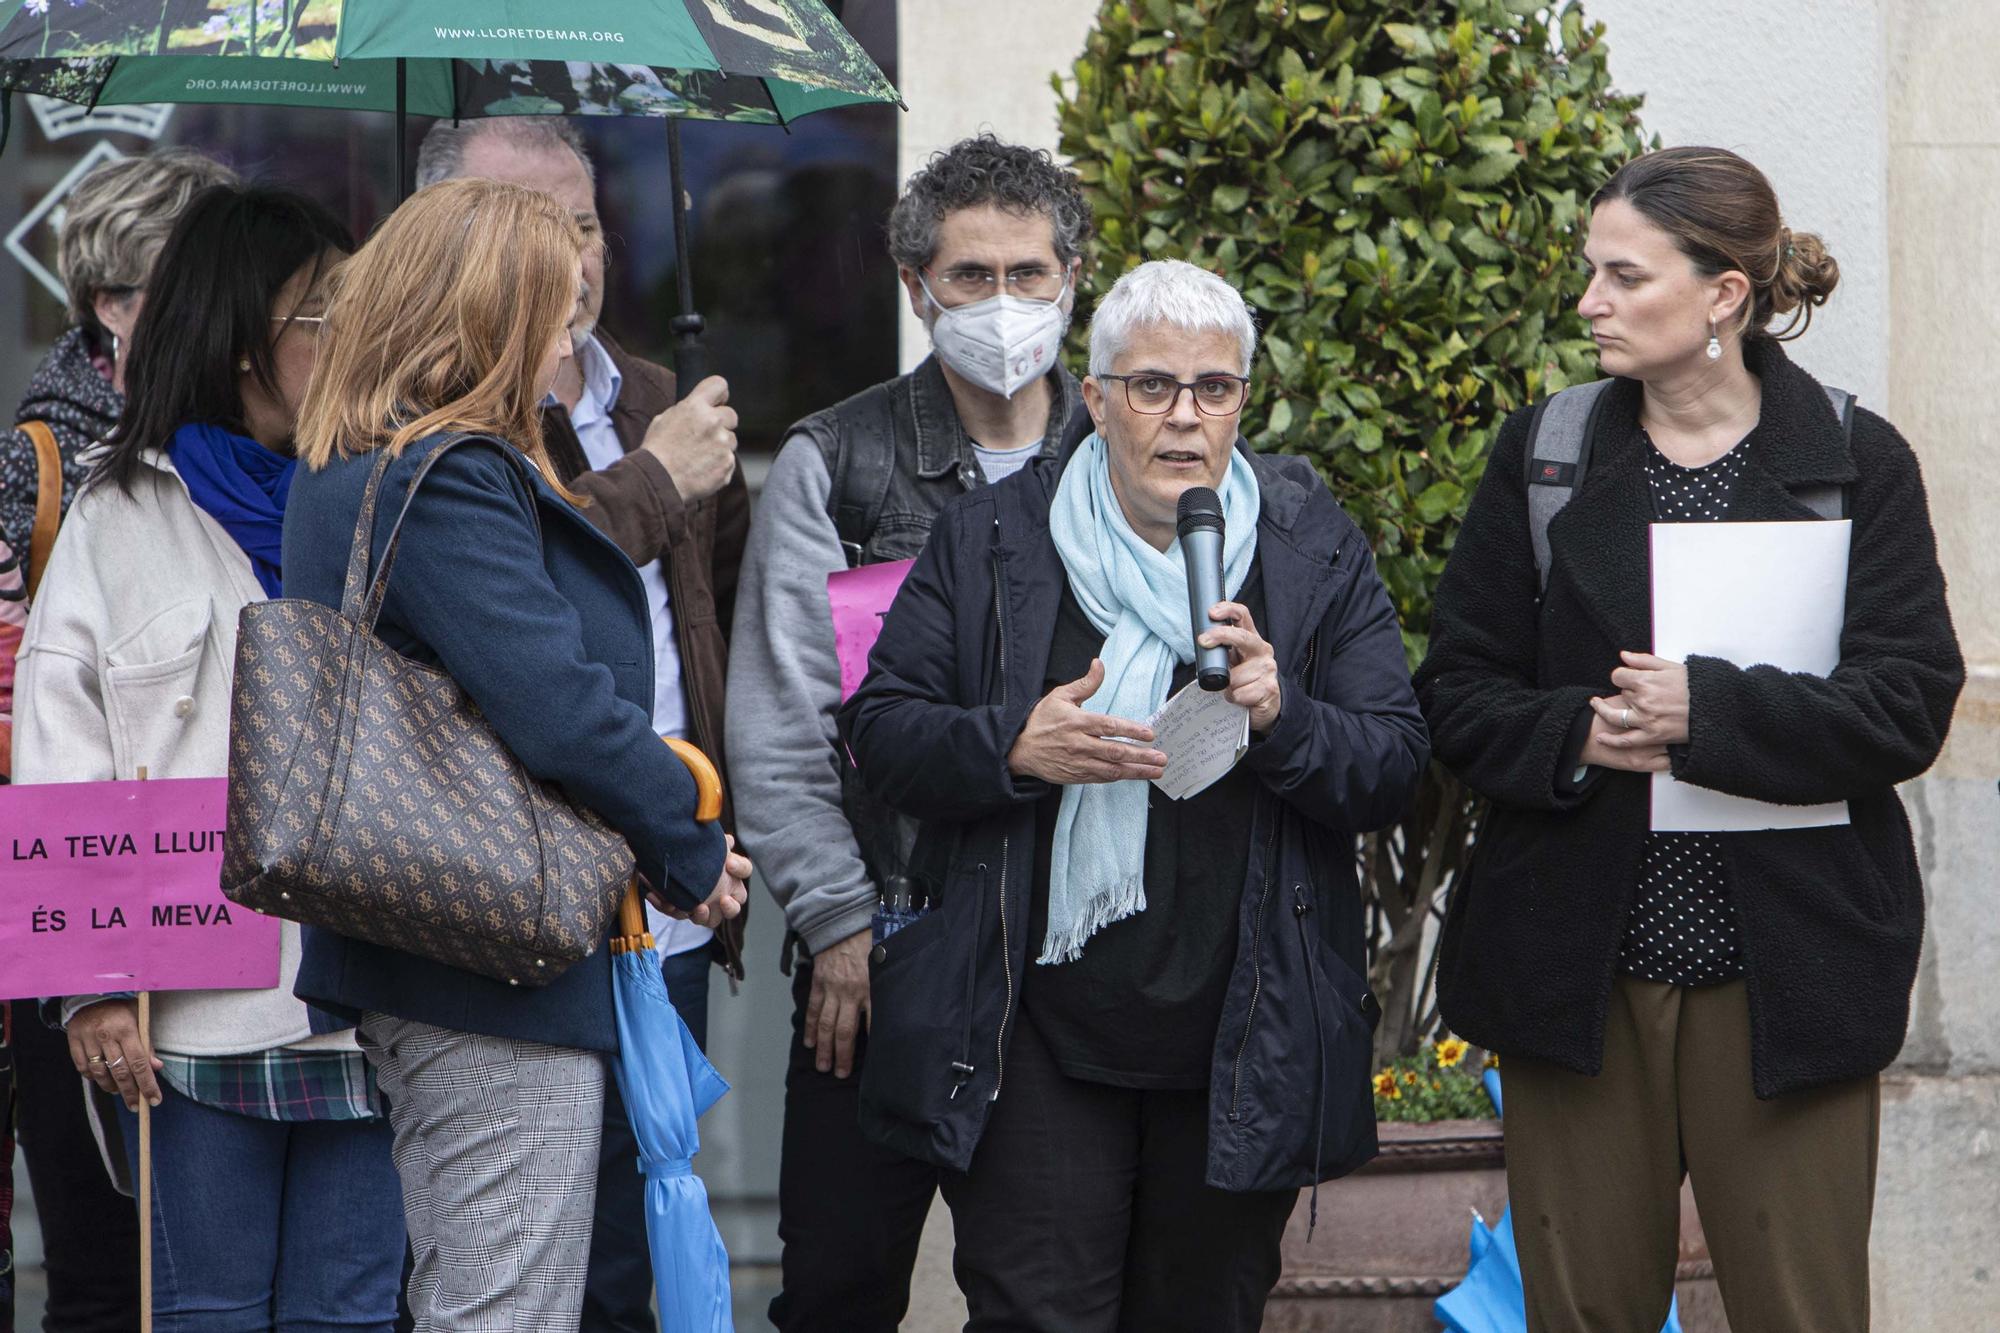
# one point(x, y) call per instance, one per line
point(707, 809)
point(707, 782)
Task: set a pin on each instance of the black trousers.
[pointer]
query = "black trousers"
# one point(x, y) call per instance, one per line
point(1085, 1212)
point(90, 1232)
point(850, 1214)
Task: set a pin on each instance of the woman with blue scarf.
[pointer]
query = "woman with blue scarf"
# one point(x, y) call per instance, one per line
point(1134, 1026)
point(275, 1199)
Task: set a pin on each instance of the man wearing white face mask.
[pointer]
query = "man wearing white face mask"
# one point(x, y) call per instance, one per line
point(988, 238)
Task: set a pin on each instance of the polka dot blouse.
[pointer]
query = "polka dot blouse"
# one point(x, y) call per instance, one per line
point(1683, 927)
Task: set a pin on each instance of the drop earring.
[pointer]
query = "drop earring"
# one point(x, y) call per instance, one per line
point(243, 365)
point(1714, 343)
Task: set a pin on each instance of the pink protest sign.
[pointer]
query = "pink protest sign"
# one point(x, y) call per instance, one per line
point(116, 886)
point(860, 598)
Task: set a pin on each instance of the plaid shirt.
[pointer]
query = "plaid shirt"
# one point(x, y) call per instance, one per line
point(278, 1084)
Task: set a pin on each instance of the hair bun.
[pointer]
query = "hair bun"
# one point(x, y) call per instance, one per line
point(1806, 275)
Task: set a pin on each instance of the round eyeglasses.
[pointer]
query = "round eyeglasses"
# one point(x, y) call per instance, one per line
point(963, 286)
point(1155, 395)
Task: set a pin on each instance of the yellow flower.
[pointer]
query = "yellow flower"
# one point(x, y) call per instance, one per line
point(1385, 1086)
point(1437, 1085)
point(1410, 1077)
point(1450, 1051)
point(1492, 1060)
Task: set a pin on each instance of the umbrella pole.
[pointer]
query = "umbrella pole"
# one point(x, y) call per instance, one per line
point(690, 358)
point(402, 131)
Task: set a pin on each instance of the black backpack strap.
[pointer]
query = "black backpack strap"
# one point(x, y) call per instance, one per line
point(1557, 456)
point(857, 442)
point(1842, 403)
point(868, 461)
point(1830, 500)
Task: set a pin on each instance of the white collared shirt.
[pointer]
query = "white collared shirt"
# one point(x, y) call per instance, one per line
point(591, 418)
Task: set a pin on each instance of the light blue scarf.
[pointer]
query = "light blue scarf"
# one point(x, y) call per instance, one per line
point(1138, 598)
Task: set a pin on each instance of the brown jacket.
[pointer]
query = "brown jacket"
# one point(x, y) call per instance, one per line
point(634, 503)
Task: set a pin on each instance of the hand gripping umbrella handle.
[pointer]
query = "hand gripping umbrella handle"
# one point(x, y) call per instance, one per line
point(707, 809)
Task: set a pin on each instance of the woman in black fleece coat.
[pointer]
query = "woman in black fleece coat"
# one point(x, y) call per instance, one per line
point(1711, 1004)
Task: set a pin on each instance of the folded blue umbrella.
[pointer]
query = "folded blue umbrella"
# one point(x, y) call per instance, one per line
point(1490, 1299)
point(667, 1084)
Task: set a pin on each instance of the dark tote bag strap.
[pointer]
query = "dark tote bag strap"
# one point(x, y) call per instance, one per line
point(355, 590)
point(378, 586)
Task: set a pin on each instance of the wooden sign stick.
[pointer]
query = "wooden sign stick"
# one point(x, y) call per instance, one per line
point(145, 1178)
point(145, 1181)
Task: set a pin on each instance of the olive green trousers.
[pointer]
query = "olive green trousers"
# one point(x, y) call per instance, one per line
point(1785, 1187)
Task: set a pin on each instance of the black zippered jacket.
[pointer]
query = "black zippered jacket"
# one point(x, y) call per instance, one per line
point(959, 666)
point(1831, 919)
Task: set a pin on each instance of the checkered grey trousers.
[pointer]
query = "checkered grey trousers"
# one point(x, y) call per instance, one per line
point(496, 1144)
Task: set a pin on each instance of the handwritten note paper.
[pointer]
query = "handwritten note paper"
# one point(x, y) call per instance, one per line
point(117, 886)
point(1203, 735)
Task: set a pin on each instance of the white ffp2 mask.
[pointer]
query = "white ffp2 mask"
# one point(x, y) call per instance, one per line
point(1000, 343)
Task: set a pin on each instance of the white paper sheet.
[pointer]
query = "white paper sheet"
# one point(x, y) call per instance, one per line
point(1202, 735)
point(1756, 594)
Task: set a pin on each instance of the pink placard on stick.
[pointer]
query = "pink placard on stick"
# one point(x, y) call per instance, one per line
point(860, 599)
point(108, 886)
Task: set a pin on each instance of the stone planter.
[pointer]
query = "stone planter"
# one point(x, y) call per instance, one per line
point(1392, 1237)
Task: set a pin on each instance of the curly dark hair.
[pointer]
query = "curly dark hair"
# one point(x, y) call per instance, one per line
point(984, 170)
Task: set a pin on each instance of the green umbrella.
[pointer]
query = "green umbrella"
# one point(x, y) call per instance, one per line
point(797, 41)
point(761, 61)
point(432, 87)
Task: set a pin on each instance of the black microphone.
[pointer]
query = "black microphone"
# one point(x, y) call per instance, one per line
point(1199, 523)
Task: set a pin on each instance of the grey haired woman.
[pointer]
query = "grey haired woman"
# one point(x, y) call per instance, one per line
point(1128, 1057)
point(114, 223)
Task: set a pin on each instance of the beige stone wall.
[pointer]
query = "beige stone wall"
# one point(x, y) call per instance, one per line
point(1797, 87)
point(1944, 263)
point(1937, 1235)
point(972, 65)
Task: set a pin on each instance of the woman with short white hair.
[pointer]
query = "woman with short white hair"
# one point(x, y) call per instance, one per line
point(1135, 1026)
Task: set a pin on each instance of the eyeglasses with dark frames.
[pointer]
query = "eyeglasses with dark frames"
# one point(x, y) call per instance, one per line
point(1156, 395)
